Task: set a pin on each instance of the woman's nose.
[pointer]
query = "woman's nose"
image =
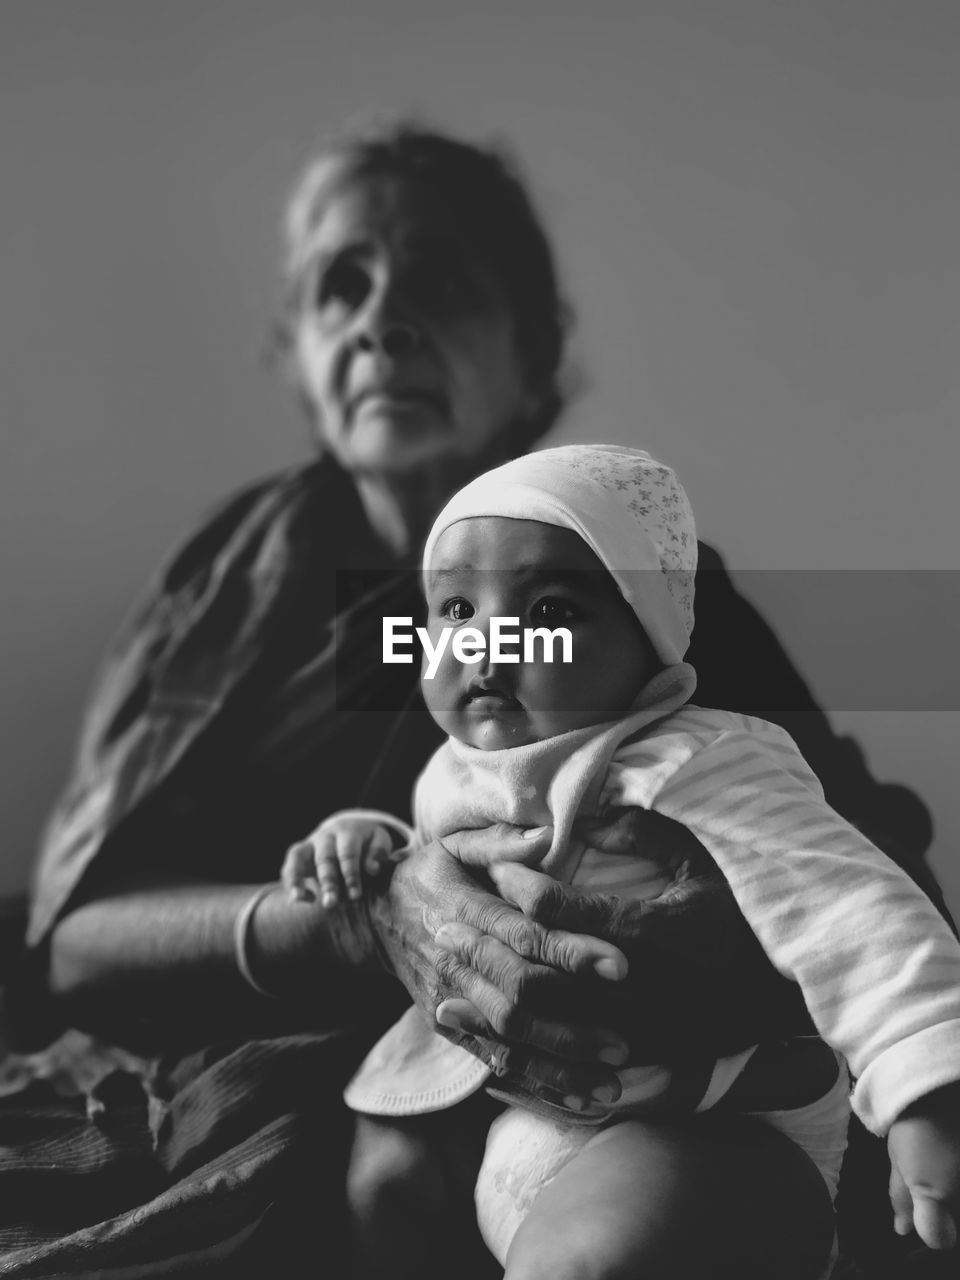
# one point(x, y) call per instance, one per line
point(387, 328)
point(395, 340)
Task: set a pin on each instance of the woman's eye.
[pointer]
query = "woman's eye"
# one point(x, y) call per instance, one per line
point(458, 609)
point(553, 609)
point(440, 282)
point(344, 283)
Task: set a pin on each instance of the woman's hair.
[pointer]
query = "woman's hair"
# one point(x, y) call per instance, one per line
point(482, 188)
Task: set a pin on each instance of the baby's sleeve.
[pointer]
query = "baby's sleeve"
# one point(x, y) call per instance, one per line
point(878, 966)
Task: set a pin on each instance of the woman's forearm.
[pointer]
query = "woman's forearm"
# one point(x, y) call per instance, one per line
point(153, 948)
point(164, 935)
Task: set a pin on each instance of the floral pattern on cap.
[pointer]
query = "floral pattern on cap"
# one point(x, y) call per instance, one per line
point(654, 496)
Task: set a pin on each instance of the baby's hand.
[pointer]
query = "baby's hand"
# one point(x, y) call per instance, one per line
point(335, 857)
point(924, 1147)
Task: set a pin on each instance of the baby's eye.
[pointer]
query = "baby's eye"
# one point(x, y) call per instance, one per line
point(554, 610)
point(457, 609)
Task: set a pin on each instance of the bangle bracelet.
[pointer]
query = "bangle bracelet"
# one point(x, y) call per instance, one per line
point(241, 937)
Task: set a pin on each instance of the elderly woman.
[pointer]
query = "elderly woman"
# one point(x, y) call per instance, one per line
point(424, 332)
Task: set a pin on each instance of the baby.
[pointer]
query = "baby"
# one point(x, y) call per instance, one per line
point(600, 540)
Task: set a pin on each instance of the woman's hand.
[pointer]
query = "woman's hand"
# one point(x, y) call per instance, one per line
point(698, 980)
point(457, 947)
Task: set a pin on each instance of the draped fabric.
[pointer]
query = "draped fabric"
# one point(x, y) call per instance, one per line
point(240, 703)
point(243, 700)
point(250, 1134)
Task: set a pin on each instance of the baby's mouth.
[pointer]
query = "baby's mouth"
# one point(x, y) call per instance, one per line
point(488, 697)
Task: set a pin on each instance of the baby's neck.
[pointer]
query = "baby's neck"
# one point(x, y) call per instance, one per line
point(545, 738)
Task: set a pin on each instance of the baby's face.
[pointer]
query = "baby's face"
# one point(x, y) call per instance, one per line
point(494, 567)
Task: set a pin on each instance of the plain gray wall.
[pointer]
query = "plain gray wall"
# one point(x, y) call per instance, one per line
point(756, 208)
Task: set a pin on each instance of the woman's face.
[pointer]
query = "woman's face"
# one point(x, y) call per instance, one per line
point(405, 342)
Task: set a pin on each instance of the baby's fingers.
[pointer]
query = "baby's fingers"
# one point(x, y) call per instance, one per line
point(297, 872)
point(915, 1209)
point(901, 1202)
point(328, 868)
point(933, 1222)
point(350, 850)
point(924, 1146)
point(362, 853)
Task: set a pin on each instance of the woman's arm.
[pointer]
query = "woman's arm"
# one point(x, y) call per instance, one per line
point(164, 954)
point(551, 985)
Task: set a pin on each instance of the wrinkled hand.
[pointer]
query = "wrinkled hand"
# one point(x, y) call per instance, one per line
point(491, 970)
point(924, 1148)
point(698, 981)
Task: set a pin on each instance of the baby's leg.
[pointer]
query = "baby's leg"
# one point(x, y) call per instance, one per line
point(409, 1190)
point(703, 1199)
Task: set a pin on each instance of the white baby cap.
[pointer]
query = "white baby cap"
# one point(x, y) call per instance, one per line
point(629, 509)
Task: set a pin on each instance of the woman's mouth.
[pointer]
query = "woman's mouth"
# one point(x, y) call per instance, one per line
point(413, 399)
